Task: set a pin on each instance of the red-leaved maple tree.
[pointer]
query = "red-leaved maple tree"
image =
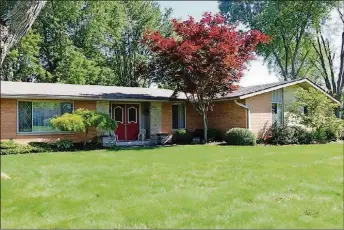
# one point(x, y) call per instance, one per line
point(202, 59)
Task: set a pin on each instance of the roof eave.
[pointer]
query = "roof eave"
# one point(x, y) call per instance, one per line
point(86, 98)
point(290, 84)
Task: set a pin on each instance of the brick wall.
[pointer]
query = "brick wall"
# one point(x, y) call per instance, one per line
point(226, 115)
point(260, 108)
point(166, 118)
point(193, 119)
point(9, 124)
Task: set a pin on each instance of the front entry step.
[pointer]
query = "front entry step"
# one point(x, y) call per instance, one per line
point(109, 141)
point(133, 143)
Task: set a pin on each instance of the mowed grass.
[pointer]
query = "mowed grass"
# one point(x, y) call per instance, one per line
point(176, 187)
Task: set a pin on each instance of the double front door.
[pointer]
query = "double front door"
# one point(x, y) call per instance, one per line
point(127, 117)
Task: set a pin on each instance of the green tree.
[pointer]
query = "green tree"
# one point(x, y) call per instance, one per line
point(76, 69)
point(128, 55)
point(320, 115)
point(82, 120)
point(289, 24)
point(327, 59)
point(52, 25)
point(92, 42)
point(23, 61)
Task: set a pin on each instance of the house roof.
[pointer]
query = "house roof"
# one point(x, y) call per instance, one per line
point(96, 92)
point(69, 91)
point(250, 91)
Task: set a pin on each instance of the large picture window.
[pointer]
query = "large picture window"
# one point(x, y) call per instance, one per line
point(178, 116)
point(34, 116)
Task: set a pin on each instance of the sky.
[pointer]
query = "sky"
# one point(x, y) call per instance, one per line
point(257, 72)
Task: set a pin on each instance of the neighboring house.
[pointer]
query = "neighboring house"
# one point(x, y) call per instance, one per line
point(27, 107)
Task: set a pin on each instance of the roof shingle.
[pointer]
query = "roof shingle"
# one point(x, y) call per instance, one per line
point(94, 92)
point(81, 91)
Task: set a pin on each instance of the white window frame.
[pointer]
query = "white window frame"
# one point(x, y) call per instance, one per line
point(184, 116)
point(114, 114)
point(40, 132)
point(135, 122)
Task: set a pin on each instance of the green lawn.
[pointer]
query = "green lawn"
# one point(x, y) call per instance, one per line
point(176, 187)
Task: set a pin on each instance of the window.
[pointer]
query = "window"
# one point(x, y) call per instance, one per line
point(35, 116)
point(178, 116)
point(25, 116)
point(132, 115)
point(277, 106)
point(119, 114)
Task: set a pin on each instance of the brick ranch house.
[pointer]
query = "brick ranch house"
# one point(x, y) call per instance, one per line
point(27, 107)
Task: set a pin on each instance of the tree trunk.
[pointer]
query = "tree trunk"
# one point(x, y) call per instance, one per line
point(205, 123)
point(85, 138)
point(17, 23)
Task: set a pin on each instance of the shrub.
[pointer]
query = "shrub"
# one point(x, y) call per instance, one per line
point(303, 136)
point(320, 116)
point(10, 148)
point(239, 136)
point(42, 146)
point(320, 136)
point(333, 129)
point(281, 135)
point(260, 141)
point(8, 144)
point(214, 135)
point(81, 120)
point(182, 136)
point(199, 133)
point(331, 135)
point(64, 144)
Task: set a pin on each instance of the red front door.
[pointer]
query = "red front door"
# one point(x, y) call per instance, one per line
point(127, 117)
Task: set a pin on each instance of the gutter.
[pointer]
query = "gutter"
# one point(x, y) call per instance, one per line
point(248, 121)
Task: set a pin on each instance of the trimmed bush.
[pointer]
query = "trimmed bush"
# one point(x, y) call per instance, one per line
point(240, 136)
point(64, 144)
point(10, 148)
point(42, 146)
point(182, 136)
point(8, 144)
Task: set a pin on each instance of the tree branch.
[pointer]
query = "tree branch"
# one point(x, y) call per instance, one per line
point(279, 62)
point(20, 20)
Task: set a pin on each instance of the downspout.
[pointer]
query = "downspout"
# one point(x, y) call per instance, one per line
point(248, 121)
